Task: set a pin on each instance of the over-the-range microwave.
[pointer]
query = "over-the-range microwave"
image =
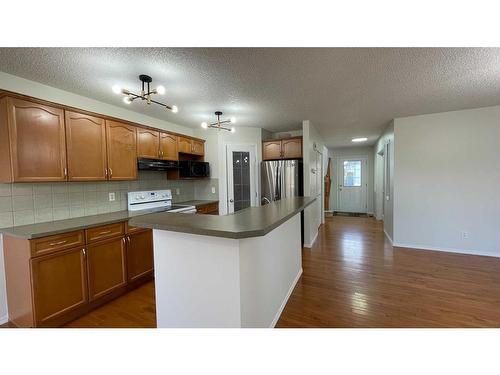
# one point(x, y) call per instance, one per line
point(194, 169)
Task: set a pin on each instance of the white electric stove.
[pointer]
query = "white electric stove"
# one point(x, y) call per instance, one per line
point(160, 200)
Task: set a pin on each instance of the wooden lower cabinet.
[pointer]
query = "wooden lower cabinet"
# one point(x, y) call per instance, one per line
point(208, 208)
point(50, 283)
point(59, 284)
point(139, 255)
point(106, 265)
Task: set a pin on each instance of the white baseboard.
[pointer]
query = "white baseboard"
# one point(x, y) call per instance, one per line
point(389, 237)
point(447, 250)
point(310, 245)
point(4, 319)
point(283, 304)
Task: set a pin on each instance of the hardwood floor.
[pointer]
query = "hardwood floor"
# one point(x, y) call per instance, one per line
point(354, 278)
point(135, 309)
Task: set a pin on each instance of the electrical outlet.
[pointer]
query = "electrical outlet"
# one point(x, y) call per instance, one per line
point(177, 191)
point(111, 197)
point(213, 189)
point(465, 235)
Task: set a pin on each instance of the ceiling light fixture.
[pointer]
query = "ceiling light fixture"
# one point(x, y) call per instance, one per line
point(145, 94)
point(218, 124)
point(363, 139)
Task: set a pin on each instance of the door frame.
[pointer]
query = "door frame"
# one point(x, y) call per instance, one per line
point(244, 147)
point(340, 169)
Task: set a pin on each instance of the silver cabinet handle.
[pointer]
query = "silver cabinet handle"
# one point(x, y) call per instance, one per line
point(65, 172)
point(123, 240)
point(110, 172)
point(231, 200)
point(84, 252)
point(106, 172)
point(105, 232)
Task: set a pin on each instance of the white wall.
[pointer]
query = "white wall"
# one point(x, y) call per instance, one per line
point(447, 180)
point(363, 152)
point(386, 202)
point(313, 186)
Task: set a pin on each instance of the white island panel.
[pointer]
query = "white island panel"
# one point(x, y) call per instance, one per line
point(270, 266)
point(197, 281)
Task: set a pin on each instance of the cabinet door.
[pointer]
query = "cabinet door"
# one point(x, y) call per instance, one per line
point(198, 147)
point(140, 254)
point(59, 284)
point(185, 145)
point(291, 148)
point(271, 150)
point(38, 142)
point(86, 147)
point(168, 146)
point(106, 267)
point(148, 143)
point(121, 150)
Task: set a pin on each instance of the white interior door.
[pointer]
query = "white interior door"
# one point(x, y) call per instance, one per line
point(241, 177)
point(352, 185)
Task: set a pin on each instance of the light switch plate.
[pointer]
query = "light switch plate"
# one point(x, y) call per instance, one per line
point(111, 197)
point(213, 189)
point(177, 191)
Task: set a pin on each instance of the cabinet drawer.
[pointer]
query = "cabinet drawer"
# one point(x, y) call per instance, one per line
point(213, 208)
point(50, 244)
point(105, 231)
point(132, 229)
point(201, 209)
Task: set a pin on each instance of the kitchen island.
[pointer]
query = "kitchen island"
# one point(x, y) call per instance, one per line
point(235, 270)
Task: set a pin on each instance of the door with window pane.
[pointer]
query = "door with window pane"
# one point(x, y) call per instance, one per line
point(241, 164)
point(352, 185)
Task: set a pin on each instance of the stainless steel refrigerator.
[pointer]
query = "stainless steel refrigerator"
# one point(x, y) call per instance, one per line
point(281, 179)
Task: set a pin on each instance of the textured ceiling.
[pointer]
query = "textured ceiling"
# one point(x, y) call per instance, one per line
point(345, 92)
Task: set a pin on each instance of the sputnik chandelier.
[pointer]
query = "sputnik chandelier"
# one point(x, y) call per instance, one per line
point(145, 94)
point(218, 124)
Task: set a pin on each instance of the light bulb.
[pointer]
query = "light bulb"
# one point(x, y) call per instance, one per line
point(160, 90)
point(175, 109)
point(204, 125)
point(233, 120)
point(233, 130)
point(127, 100)
point(116, 89)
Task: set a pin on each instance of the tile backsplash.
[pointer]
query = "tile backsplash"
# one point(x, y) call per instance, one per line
point(22, 203)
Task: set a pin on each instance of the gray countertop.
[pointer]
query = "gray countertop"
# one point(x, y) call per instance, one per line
point(250, 222)
point(61, 226)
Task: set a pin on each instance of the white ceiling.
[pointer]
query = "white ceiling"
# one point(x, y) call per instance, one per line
point(345, 92)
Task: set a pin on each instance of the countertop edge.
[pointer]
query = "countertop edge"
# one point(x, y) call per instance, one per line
point(219, 233)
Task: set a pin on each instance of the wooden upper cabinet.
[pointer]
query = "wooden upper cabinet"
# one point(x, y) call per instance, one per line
point(168, 146)
point(190, 146)
point(86, 147)
point(288, 148)
point(291, 148)
point(148, 144)
point(37, 141)
point(198, 147)
point(271, 150)
point(184, 145)
point(107, 269)
point(59, 284)
point(121, 142)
